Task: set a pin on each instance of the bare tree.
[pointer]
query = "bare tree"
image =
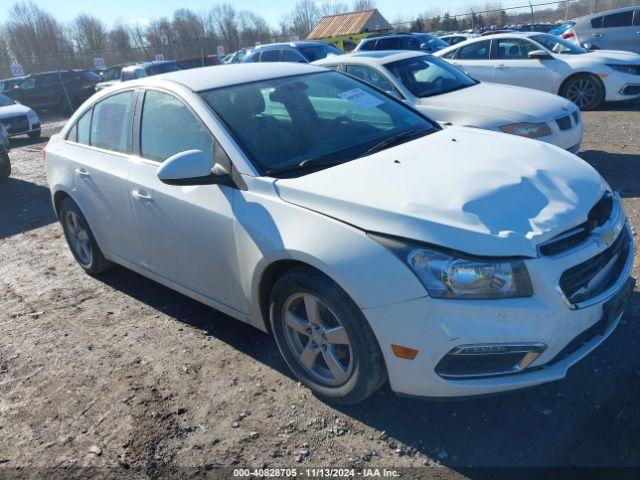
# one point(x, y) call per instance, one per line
point(225, 19)
point(32, 32)
point(332, 7)
point(118, 38)
point(363, 5)
point(253, 28)
point(89, 32)
point(304, 17)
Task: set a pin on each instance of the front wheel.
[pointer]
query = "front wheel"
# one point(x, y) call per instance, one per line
point(585, 90)
point(324, 337)
point(5, 167)
point(81, 241)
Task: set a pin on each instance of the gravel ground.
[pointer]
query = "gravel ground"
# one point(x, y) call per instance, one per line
point(124, 375)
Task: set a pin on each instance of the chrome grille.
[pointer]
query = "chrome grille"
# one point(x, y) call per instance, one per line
point(598, 216)
point(598, 274)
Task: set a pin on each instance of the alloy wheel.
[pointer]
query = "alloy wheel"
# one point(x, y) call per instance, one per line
point(582, 92)
point(79, 238)
point(317, 339)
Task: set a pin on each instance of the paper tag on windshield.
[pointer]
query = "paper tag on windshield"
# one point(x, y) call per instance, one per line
point(361, 98)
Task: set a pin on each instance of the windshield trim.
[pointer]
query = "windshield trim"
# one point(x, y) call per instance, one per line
point(262, 172)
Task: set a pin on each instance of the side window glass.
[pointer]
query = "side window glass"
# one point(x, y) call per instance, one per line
point(29, 83)
point(596, 22)
point(622, 19)
point(368, 45)
point(514, 49)
point(475, 51)
point(450, 54)
point(291, 56)
point(140, 73)
point(369, 75)
point(111, 124)
point(169, 127)
point(83, 128)
point(636, 18)
point(255, 57)
point(410, 44)
point(270, 56)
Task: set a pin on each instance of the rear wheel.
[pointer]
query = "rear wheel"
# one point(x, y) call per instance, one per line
point(585, 90)
point(324, 337)
point(5, 166)
point(81, 241)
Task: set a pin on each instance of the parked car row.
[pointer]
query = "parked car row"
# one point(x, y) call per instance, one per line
point(373, 242)
point(5, 162)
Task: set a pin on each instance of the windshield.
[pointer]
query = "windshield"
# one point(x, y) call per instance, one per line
point(162, 68)
point(6, 101)
point(434, 43)
point(318, 52)
point(284, 122)
point(558, 45)
point(425, 76)
point(112, 73)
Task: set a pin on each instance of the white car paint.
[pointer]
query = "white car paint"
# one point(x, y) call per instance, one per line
point(459, 188)
point(14, 110)
point(548, 75)
point(485, 105)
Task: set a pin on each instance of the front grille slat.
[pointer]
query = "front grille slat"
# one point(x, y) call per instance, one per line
point(576, 281)
point(564, 123)
point(576, 117)
point(16, 124)
point(597, 217)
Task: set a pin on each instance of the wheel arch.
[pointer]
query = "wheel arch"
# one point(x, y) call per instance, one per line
point(580, 73)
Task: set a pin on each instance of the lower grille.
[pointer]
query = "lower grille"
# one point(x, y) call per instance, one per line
point(576, 117)
point(631, 90)
point(595, 276)
point(15, 125)
point(564, 123)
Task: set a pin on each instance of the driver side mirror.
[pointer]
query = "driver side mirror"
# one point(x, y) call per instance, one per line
point(540, 55)
point(193, 167)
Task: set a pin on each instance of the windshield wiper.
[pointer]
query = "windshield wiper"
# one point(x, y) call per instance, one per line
point(305, 164)
point(393, 140)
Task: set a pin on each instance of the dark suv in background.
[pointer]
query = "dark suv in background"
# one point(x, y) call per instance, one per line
point(5, 163)
point(45, 90)
point(422, 42)
point(300, 52)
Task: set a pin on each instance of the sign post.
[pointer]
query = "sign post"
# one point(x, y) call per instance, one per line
point(16, 69)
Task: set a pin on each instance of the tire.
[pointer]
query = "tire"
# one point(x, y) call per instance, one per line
point(585, 90)
point(80, 239)
point(35, 134)
point(5, 167)
point(361, 365)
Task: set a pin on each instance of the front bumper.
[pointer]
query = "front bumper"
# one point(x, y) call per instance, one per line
point(21, 126)
point(435, 326)
point(621, 86)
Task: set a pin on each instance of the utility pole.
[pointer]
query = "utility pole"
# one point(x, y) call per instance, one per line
point(566, 10)
point(532, 17)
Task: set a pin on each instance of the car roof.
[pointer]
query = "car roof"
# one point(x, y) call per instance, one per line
point(373, 57)
point(486, 38)
point(207, 78)
point(301, 43)
point(607, 12)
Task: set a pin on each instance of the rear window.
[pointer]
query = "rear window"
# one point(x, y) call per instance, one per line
point(367, 45)
point(622, 19)
point(270, 56)
point(596, 22)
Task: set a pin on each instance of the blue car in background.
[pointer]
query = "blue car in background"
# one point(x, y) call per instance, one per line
point(559, 30)
point(300, 52)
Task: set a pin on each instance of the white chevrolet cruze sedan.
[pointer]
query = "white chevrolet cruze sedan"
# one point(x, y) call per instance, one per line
point(449, 95)
point(372, 243)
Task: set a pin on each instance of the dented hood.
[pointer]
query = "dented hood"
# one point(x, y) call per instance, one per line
point(471, 190)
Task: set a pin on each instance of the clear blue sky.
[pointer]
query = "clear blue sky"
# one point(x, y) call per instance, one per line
point(272, 10)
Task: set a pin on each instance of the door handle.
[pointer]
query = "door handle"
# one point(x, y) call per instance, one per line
point(598, 35)
point(501, 67)
point(82, 172)
point(142, 196)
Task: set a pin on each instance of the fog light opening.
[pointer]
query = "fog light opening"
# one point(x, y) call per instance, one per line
point(485, 360)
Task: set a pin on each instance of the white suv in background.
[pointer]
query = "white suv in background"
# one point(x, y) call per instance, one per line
point(448, 95)
point(372, 243)
point(549, 63)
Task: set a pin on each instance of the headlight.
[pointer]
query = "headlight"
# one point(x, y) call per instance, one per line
point(527, 129)
point(453, 275)
point(632, 69)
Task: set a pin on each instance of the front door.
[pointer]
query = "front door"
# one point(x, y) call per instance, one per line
point(514, 67)
point(187, 231)
point(474, 59)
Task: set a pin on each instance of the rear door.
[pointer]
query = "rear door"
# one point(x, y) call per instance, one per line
point(614, 31)
point(99, 145)
point(514, 67)
point(474, 59)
